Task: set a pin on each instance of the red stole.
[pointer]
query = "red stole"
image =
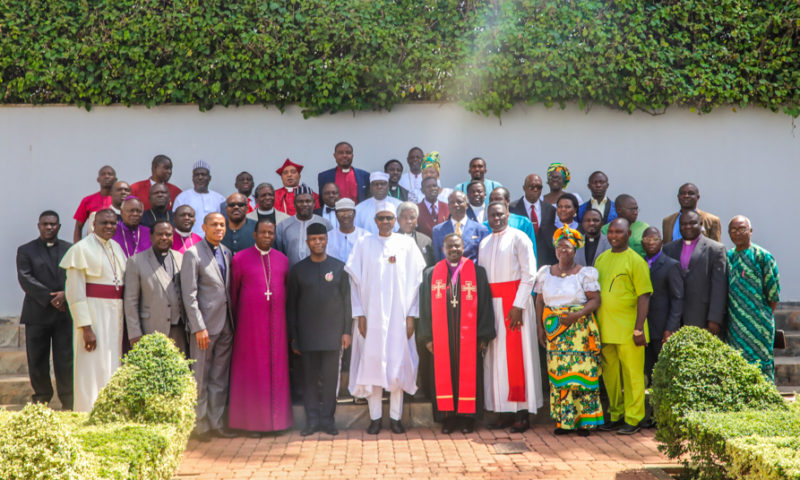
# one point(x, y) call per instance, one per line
point(507, 291)
point(348, 188)
point(468, 301)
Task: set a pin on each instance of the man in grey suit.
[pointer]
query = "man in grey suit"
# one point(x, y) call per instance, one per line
point(152, 297)
point(596, 243)
point(704, 267)
point(205, 275)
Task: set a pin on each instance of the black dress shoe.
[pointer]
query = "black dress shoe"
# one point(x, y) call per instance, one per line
point(520, 427)
point(374, 427)
point(502, 423)
point(628, 429)
point(331, 430)
point(252, 434)
point(396, 426)
point(468, 426)
point(448, 426)
point(584, 432)
point(610, 426)
point(223, 433)
point(309, 430)
point(561, 431)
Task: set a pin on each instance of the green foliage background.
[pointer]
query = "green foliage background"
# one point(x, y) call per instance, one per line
point(333, 55)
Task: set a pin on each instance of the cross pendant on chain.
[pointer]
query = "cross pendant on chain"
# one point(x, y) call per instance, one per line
point(268, 294)
point(454, 302)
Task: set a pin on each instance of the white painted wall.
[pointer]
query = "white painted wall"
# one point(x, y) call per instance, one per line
point(746, 162)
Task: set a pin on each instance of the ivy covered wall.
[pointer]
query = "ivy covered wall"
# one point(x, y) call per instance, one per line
point(333, 55)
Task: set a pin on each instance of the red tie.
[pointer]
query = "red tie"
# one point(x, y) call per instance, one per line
point(534, 219)
point(434, 213)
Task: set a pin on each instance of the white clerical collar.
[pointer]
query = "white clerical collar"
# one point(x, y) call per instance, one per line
point(266, 212)
point(452, 264)
point(114, 209)
point(184, 234)
point(345, 170)
point(687, 242)
point(262, 252)
point(290, 189)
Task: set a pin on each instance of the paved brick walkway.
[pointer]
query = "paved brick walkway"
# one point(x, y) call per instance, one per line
point(423, 453)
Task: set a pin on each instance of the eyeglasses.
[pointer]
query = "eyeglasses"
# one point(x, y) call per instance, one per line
point(240, 204)
point(739, 230)
point(384, 218)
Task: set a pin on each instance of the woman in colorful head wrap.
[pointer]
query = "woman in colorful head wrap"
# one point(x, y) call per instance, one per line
point(568, 296)
point(430, 168)
point(557, 179)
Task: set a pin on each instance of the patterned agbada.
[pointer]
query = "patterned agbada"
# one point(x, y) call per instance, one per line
point(573, 353)
point(753, 283)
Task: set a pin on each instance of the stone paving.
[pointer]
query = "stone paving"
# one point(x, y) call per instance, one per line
point(424, 453)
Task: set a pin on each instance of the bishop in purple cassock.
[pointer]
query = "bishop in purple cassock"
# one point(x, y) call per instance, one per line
point(131, 236)
point(259, 387)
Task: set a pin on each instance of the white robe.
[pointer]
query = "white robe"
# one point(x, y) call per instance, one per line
point(86, 262)
point(385, 274)
point(508, 256)
point(365, 214)
point(412, 183)
point(341, 244)
point(202, 203)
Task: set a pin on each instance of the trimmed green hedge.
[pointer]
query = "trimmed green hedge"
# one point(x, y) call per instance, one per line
point(138, 429)
point(705, 395)
point(759, 458)
point(333, 55)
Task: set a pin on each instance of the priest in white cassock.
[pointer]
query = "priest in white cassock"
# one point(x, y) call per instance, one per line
point(385, 273)
point(379, 194)
point(95, 271)
point(512, 379)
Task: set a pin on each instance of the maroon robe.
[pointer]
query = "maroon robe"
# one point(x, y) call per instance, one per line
point(259, 386)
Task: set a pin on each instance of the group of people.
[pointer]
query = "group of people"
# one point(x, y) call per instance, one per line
point(481, 294)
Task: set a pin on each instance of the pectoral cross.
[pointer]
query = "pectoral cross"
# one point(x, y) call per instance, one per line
point(470, 289)
point(268, 294)
point(439, 286)
point(454, 302)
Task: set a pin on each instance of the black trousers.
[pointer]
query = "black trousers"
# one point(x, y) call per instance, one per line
point(320, 379)
point(651, 353)
point(39, 341)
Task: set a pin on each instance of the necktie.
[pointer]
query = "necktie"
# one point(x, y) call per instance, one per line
point(329, 210)
point(458, 229)
point(434, 213)
point(220, 262)
point(534, 219)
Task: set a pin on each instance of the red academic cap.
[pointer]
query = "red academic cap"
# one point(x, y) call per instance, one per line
point(289, 163)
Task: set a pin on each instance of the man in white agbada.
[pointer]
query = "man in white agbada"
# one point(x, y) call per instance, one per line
point(366, 210)
point(95, 271)
point(344, 236)
point(385, 273)
point(512, 380)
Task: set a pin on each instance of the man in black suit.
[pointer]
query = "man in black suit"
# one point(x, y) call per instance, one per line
point(542, 215)
point(44, 311)
point(666, 302)
point(328, 197)
point(704, 267)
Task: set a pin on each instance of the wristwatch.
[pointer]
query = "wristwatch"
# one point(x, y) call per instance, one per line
point(636, 333)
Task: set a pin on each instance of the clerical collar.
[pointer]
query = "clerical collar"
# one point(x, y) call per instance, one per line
point(689, 242)
point(290, 189)
point(263, 252)
point(454, 265)
point(184, 234)
point(266, 212)
point(115, 210)
point(345, 170)
point(591, 239)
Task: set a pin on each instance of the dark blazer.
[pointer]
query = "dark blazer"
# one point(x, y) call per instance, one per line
point(362, 181)
point(545, 251)
point(666, 303)
point(206, 296)
point(401, 194)
point(425, 245)
point(39, 276)
point(705, 283)
point(472, 234)
point(609, 213)
point(425, 222)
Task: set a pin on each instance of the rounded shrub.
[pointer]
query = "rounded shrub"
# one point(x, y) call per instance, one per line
point(154, 385)
point(34, 444)
point(698, 372)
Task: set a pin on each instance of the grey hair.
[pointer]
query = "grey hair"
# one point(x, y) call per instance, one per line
point(263, 185)
point(407, 206)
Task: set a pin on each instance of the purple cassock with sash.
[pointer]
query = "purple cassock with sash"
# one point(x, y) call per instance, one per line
point(132, 240)
point(259, 387)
